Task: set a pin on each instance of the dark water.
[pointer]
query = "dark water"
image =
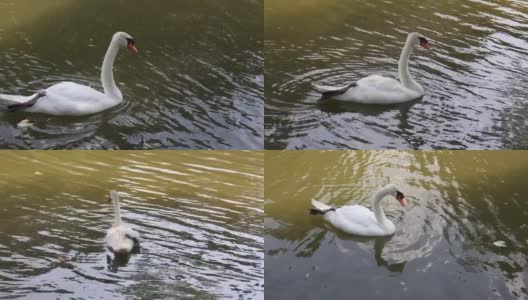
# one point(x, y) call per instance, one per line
point(199, 215)
point(474, 78)
point(197, 82)
point(459, 204)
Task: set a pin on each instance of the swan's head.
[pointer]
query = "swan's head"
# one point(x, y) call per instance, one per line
point(395, 192)
point(124, 39)
point(113, 196)
point(417, 39)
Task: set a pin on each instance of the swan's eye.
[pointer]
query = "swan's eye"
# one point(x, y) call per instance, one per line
point(130, 42)
point(423, 40)
point(399, 195)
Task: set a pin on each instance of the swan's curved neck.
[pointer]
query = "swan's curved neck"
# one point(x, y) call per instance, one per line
point(403, 67)
point(117, 212)
point(107, 76)
point(376, 204)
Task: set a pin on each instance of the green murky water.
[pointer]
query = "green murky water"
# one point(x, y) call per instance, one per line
point(460, 204)
point(196, 83)
point(199, 214)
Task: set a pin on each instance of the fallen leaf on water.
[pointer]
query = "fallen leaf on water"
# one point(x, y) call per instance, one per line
point(24, 123)
point(500, 244)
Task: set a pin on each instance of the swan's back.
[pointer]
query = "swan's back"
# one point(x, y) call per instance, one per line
point(358, 220)
point(122, 239)
point(69, 98)
point(376, 89)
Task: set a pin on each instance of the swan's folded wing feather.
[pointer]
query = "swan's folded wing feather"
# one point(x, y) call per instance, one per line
point(358, 214)
point(132, 233)
point(377, 82)
point(354, 219)
point(327, 90)
point(320, 205)
point(13, 99)
point(69, 98)
point(376, 89)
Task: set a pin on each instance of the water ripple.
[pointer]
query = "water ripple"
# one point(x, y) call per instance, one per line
point(472, 77)
point(180, 91)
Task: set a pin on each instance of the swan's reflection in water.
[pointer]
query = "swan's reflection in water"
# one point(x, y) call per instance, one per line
point(400, 113)
point(115, 261)
point(347, 244)
point(378, 244)
point(340, 107)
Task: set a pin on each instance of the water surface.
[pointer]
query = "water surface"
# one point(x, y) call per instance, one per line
point(459, 204)
point(474, 77)
point(196, 83)
point(199, 215)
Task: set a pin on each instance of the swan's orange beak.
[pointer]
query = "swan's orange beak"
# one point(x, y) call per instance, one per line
point(132, 48)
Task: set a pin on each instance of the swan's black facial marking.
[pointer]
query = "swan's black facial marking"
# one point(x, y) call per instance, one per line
point(400, 197)
point(424, 43)
point(130, 42)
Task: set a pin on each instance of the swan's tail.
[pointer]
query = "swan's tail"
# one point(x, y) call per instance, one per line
point(320, 208)
point(13, 99)
point(329, 91)
point(15, 102)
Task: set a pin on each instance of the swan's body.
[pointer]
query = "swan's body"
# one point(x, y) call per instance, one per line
point(68, 98)
point(120, 238)
point(359, 220)
point(376, 89)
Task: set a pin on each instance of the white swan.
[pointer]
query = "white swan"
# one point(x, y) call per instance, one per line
point(376, 89)
point(120, 238)
point(72, 99)
point(359, 220)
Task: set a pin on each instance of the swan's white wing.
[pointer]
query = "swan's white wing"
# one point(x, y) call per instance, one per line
point(132, 233)
point(119, 239)
point(378, 90)
point(65, 98)
point(355, 219)
point(357, 214)
point(327, 90)
point(69, 98)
